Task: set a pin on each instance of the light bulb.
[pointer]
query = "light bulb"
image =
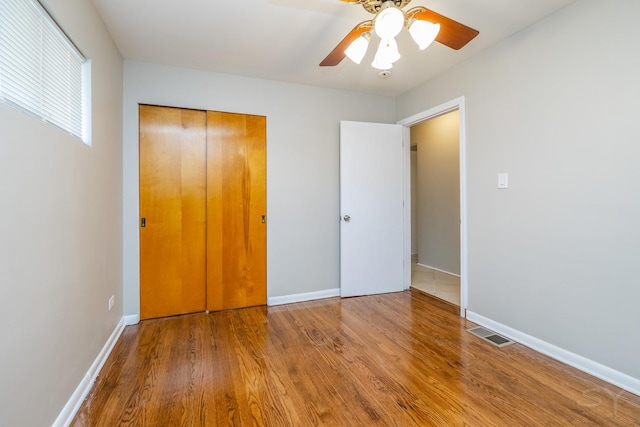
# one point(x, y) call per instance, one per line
point(389, 22)
point(381, 65)
point(423, 32)
point(358, 48)
point(388, 51)
point(386, 54)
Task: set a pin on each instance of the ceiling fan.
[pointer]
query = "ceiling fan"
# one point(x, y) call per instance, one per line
point(424, 25)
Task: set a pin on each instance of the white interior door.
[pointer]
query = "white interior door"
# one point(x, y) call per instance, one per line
point(371, 208)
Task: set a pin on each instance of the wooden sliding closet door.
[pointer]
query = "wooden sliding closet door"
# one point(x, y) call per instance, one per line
point(172, 211)
point(236, 209)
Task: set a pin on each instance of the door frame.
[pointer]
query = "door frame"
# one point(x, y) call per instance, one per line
point(454, 104)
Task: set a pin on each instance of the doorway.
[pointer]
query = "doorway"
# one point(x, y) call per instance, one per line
point(435, 207)
point(458, 105)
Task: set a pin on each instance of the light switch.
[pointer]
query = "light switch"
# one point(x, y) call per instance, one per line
point(503, 180)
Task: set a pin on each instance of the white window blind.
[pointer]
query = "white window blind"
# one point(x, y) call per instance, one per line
point(41, 71)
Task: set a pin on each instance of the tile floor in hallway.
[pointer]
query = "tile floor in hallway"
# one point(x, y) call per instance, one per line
point(442, 285)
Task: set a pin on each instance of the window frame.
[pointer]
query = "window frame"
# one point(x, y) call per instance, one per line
point(42, 72)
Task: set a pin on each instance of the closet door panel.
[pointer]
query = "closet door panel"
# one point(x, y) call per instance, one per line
point(236, 205)
point(173, 205)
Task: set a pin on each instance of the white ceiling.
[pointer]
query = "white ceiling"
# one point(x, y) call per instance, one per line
point(286, 39)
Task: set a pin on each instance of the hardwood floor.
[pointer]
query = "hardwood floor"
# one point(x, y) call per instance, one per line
point(400, 359)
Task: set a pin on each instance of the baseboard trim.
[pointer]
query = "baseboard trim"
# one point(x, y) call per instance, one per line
point(605, 373)
point(132, 319)
point(309, 296)
point(73, 404)
point(438, 269)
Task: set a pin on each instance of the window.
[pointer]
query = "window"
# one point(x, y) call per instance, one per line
point(41, 71)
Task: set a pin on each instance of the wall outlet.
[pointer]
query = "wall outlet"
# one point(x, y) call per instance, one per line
point(112, 301)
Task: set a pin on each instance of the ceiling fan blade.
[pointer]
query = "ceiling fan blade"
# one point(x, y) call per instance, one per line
point(337, 54)
point(452, 33)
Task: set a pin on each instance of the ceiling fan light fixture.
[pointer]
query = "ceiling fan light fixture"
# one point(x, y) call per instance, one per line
point(423, 32)
point(389, 21)
point(358, 48)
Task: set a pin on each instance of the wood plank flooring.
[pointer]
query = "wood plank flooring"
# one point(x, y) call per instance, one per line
point(400, 359)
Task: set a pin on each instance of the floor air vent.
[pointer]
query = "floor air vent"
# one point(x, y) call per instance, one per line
point(492, 337)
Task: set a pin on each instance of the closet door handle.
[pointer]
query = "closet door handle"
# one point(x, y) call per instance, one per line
point(143, 222)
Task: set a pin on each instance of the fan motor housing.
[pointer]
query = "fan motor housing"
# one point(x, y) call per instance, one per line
point(374, 6)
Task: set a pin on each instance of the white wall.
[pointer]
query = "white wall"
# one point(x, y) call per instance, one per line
point(438, 198)
point(60, 237)
point(302, 164)
point(556, 255)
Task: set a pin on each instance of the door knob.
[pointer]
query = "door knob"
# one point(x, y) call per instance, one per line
point(347, 218)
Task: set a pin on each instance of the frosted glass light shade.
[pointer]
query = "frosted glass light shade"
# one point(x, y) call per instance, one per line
point(388, 50)
point(423, 33)
point(386, 55)
point(358, 48)
point(381, 65)
point(389, 22)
